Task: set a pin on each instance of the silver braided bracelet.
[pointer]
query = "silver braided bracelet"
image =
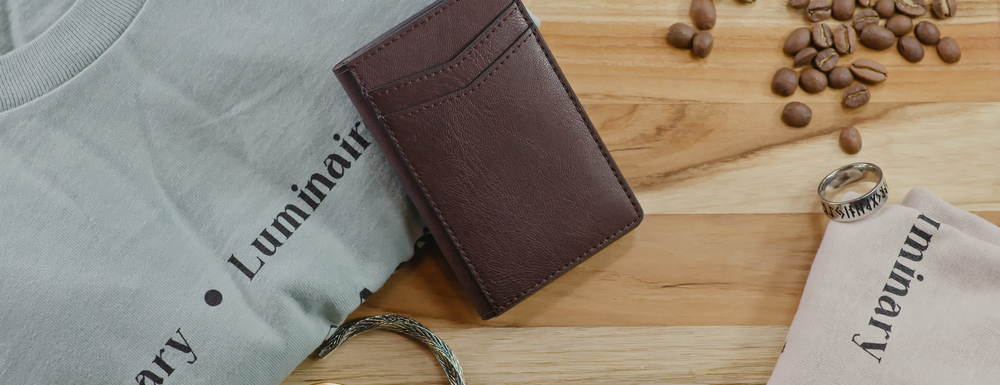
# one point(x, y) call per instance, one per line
point(404, 325)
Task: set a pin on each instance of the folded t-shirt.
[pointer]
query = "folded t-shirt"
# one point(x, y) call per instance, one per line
point(187, 195)
point(908, 295)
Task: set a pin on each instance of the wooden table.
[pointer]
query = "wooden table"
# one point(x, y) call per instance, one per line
point(703, 291)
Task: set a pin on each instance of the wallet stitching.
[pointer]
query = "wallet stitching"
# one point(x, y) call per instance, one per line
point(400, 36)
point(453, 66)
point(474, 88)
point(618, 176)
point(423, 188)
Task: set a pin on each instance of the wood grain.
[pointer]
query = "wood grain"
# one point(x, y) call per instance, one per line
point(595, 355)
point(616, 52)
point(672, 270)
point(927, 145)
point(703, 291)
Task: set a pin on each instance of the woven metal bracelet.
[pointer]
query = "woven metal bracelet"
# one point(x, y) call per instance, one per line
point(404, 325)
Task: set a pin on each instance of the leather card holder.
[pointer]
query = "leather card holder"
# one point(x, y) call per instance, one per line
point(456, 73)
point(491, 145)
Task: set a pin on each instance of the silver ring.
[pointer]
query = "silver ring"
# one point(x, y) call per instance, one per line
point(857, 208)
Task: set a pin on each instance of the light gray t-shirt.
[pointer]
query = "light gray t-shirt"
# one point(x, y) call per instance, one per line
point(187, 195)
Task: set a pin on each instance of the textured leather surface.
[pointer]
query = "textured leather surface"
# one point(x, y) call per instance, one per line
point(456, 73)
point(427, 41)
point(497, 154)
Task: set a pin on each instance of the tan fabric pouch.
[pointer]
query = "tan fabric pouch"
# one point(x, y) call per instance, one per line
point(909, 295)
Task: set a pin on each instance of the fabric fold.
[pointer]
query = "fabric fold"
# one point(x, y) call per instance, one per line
point(909, 295)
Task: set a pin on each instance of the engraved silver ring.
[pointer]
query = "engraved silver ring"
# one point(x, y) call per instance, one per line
point(856, 208)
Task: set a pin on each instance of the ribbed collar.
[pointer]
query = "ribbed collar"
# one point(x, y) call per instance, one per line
point(87, 29)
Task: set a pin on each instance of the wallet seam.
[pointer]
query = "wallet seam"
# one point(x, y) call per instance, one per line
point(499, 308)
point(453, 66)
point(604, 152)
point(423, 188)
point(475, 87)
point(400, 36)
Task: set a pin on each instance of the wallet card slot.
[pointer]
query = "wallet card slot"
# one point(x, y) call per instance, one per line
point(456, 73)
point(429, 40)
point(513, 169)
point(482, 77)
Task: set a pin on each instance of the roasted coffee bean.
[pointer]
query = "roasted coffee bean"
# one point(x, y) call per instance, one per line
point(885, 8)
point(927, 33)
point(703, 14)
point(865, 18)
point(856, 96)
point(850, 140)
point(845, 39)
point(826, 59)
point(796, 114)
point(785, 81)
point(840, 77)
point(822, 36)
point(702, 44)
point(948, 50)
point(798, 4)
point(812, 81)
point(797, 41)
point(804, 57)
point(818, 10)
point(877, 37)
point(899, 25)
point(869, 71)
point(943, 9)
point(912, 8)
point(681, 35)
point(910, 48)
point(867, 3)
point(842, 9)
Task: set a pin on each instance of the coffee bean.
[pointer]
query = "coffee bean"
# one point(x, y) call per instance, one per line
point(804, 57)
point(877, 37)
point(681, 35)
point(798, 4)
point(850, 140)
point(910, 48)
point(840, 77)
point(867, 3)
point(912, 8)
point(927, 33)
point(785, 82)
point(842, 9)
point(856, 96)
point(818, 10)
point(869, 71)
point(943, 9)
point(826, 60)
point(885, 8)
point(865, 18)
point(702, 44)
point(899, 25)
point(948, 50)
point(845, 39)
point(796, 114)
point(703, 13)
point(797, 41)
point(812, 81)
point(822, 36)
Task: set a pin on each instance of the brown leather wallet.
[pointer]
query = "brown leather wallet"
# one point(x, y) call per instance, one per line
point(492, 146)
